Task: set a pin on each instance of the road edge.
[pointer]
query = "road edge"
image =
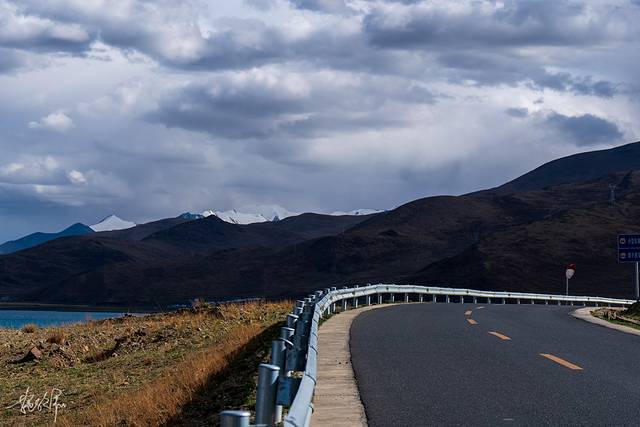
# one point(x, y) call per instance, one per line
point(585, 314)
point(336, 399)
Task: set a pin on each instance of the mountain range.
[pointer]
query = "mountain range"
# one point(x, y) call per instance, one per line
point(113, 223)
point(36, 239)
point(518, 236)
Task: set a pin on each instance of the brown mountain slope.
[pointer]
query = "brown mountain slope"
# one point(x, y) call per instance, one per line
point(511, 240)
point(533, 256)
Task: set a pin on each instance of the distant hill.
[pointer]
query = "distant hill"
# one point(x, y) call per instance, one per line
point(576, 168)
point(36, 239)
point(516, 237)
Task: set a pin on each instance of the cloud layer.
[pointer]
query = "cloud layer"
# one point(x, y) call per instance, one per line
point(150, 108)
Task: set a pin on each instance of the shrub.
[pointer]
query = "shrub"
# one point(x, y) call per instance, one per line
point(56, 337)
point(29, 328)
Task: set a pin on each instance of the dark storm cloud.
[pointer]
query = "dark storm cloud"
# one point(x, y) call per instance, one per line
point(585, 130)
point(262, 105)
point(328, 6)
point(517, 24)
point(230, 111)
point(38, 34)
point(508, 68)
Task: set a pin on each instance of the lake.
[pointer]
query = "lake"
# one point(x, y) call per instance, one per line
point(43, 318)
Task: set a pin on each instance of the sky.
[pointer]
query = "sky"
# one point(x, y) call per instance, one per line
point(149, 108)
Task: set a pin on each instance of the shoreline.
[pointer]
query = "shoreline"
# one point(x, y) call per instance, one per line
point(78, 308)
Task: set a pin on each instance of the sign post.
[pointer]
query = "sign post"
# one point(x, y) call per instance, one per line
point(571, 270)
point(629, 251)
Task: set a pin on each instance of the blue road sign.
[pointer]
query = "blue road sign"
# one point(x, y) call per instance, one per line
point(629, 248)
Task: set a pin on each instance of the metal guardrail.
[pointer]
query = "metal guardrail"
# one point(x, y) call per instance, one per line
point(290, 379)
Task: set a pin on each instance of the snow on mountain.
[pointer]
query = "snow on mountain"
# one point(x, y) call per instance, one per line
point(234, 217)
point(112, 222)
point(357, 212)
point(263, 213)
point(270, 212)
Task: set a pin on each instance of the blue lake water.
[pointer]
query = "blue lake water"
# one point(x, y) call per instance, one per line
point(19, 318)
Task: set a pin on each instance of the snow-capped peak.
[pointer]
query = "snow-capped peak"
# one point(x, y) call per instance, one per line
point(357, 212)
point(263, 213)
point(234, 217)
point(112, 222)
point(270, 212)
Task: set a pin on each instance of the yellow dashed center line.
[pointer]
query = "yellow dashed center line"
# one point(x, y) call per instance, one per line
point(499, 335)
point(472, 322)
point(468, 313)
point(561, 361)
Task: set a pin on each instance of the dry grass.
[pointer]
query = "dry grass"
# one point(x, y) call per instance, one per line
point(161, 400)
point(141, 371)
point(57, 336)
point(29, 328)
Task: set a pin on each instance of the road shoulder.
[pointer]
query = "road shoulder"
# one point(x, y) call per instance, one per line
point(585, 314)
point(337, 399)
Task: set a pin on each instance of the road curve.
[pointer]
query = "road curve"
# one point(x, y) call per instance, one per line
point(459, 365)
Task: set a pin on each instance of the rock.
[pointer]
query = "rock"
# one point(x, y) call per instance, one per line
point(33, 354)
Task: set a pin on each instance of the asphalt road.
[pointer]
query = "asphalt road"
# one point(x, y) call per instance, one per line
point(427, 365)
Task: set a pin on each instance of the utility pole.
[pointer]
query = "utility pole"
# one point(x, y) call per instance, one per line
point(637, 283)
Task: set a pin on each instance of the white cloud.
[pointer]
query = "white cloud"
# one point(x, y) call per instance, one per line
point(57, 122)
point(77, 177)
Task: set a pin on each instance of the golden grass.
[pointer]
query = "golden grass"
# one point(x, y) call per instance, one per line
point(170, 389)
point(161, 400)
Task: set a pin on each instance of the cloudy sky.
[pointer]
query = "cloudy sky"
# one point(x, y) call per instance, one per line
point(152, 108)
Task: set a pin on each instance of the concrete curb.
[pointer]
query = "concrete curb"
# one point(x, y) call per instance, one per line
point(337, 399)
point(585, 314)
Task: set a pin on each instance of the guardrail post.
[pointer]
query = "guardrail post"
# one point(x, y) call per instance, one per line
point(447, 299)
point(434, 298)
point(517, 300)
point(504, 301)
point(234, 418)
point(406, 297)
point(266, 393)
point(344, 305)
point(278, 359)
point(368, 299)
point(354, 303)
point(461, 299)
point(292, 319)
point(393, 297)
point(475, 300)
point(379, 298)
point(286, 333)
point(546, 302)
